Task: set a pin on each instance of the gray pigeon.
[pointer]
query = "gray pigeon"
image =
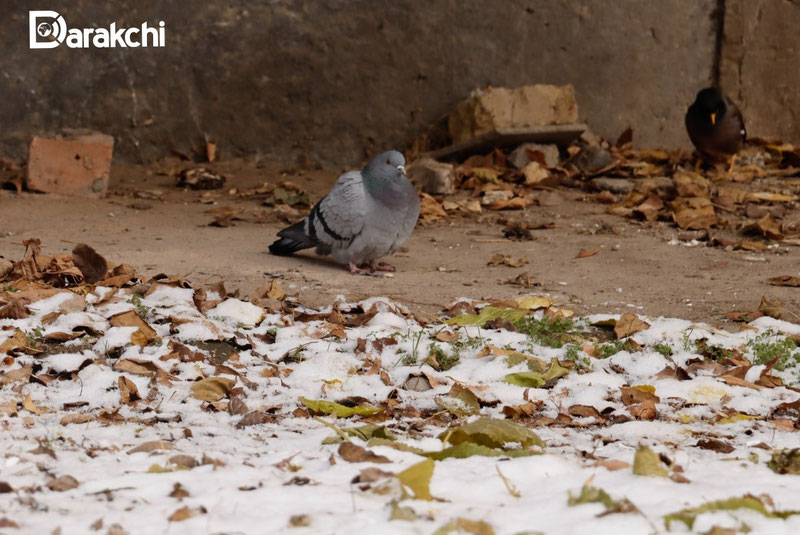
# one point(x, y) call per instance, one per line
point(366, 215)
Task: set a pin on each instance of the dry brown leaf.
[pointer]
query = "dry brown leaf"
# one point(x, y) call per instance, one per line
point(515, 203)
point(650, 207)
point(693, 213)
point(275, 291)
point(144, 333)
point(353, 453)
point(504, 260)
point(785, 280)
point(629, 324)
point(29, 405)
point(586, 254)
point(632, 395)
point(62, 483)
point(584, 411)
point(15, 309)
point(713, 444)
point(612, 464)
point(185, 513)
point(430, 209)
point(79, 418)
point(151, 445)
point(212, 389)
point(536, 174)
point(128, 391)
point(92, 266)
point(773, 307)
point(646, 410)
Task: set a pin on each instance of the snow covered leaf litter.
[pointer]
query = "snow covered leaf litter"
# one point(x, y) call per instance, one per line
point(161, 411)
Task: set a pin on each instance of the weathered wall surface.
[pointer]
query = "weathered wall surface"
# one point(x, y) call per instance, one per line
point(760, 65)
point(337, 79)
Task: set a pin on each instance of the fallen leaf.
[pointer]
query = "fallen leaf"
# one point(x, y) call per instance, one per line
point(151, 445)
point(322, 406)
point(459, 401)
point(632, 395)
point(62, 483)
point(465, 525)
point(275, 291)
point(504, 260)
point(417, 479)
point(713, 444)
point(646, 410)
point(785, 461)
point(185, 513)
point(491, 433)
point(629, 324)
point(29, 405)
point(782, 280)
point(144, 333)
point(612, 464)
point(430, 209)
point(537, 379)
point(647, 463)
point(773, 307)
point(689, 515)
point(128, 391)
point(212, 389)
point(693, 213)
point(488, 314)
point(354, 453)
point(766, 196)
point(586, 254)
point(92, 266)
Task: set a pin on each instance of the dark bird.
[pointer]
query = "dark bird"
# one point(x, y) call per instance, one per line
point(366, 215)
point(715, 125)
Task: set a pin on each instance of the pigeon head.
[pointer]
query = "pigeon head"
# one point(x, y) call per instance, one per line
point(711, 104)
point(387, 165)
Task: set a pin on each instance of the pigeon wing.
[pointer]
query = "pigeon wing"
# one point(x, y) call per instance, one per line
point(339, 216)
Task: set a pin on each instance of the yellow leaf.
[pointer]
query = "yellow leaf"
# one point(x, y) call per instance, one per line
point(647, 463)
point(534, 303)
point(27, 404)
point(417, 478)
point(275, 291)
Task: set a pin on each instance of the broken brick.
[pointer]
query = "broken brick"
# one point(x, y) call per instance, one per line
point(78, 163)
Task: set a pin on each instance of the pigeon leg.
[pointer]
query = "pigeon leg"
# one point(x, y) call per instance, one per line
point(380, 266)
point(361, 270)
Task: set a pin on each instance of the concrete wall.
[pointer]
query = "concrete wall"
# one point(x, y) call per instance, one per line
point(760, 65)
point(331, 81)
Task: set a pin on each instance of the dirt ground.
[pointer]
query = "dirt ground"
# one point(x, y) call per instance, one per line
point(148, 222)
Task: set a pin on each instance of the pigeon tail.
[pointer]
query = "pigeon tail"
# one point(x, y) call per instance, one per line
point(292, 239)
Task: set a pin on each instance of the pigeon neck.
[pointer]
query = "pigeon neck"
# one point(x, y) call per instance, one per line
point(388, 191)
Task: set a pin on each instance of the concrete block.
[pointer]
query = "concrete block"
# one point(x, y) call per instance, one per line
point(498, 108)
point(77, 163)
point(433, 177)
point(519, 156)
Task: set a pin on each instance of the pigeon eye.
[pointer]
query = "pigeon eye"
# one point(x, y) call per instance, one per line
point(387, 162)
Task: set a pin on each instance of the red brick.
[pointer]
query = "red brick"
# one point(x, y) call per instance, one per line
point(73, 164)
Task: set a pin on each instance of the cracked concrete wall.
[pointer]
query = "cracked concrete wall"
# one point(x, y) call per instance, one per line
point(760, 65)
point(332, 81)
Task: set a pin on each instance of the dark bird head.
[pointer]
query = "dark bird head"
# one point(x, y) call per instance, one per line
point(711, 105)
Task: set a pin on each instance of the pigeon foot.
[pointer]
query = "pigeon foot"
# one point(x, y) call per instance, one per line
point(366, 269)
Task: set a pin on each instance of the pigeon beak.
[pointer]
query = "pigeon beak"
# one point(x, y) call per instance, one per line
point(402, 169)
point(713, 118)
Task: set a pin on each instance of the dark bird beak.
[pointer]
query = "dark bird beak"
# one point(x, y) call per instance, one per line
point(402, 169)
point(713, 118)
